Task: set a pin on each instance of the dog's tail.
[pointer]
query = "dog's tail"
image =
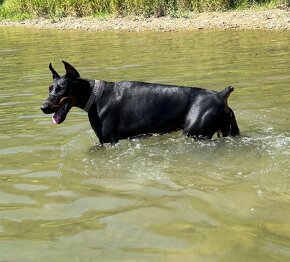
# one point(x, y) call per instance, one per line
point(226, 93)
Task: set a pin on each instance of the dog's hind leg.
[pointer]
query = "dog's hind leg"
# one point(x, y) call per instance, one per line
point(201, 125)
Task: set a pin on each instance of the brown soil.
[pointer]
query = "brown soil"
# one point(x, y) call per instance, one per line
point(275, 19)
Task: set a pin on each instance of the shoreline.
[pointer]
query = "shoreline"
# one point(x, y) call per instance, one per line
point(273, 19)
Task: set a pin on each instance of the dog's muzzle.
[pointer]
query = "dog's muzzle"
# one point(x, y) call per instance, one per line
point(46, 108)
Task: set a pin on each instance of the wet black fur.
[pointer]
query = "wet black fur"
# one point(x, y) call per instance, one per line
point(130, 109)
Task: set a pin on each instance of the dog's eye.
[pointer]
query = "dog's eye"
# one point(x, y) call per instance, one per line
point(50, 89)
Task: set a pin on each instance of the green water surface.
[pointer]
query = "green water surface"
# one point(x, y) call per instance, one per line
point(164, 198)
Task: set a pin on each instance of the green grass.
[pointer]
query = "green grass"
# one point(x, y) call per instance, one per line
point(21, 9)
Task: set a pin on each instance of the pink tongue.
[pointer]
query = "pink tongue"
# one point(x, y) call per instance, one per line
point(53, 120)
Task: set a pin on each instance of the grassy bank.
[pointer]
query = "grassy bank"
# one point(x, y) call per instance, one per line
point(22, 9)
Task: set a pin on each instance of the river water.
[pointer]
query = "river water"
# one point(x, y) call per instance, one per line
point(165, 198)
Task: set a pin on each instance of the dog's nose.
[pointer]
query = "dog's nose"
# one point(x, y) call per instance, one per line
point(45, 108)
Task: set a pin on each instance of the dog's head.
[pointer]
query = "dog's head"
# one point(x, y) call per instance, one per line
point(62, 93)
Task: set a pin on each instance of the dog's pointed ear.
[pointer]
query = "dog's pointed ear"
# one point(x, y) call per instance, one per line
point(54, 73)
point(71, 72)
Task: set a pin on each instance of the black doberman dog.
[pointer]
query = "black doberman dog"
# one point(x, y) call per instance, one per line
point(120, 110)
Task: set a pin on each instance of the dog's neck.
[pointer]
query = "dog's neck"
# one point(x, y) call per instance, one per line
point(87, 93)
point(95, 95)
point(82, 89)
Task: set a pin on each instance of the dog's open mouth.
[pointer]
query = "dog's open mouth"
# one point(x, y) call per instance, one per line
point(64, 107)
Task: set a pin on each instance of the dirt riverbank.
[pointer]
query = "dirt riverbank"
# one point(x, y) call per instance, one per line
point(275, 19)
